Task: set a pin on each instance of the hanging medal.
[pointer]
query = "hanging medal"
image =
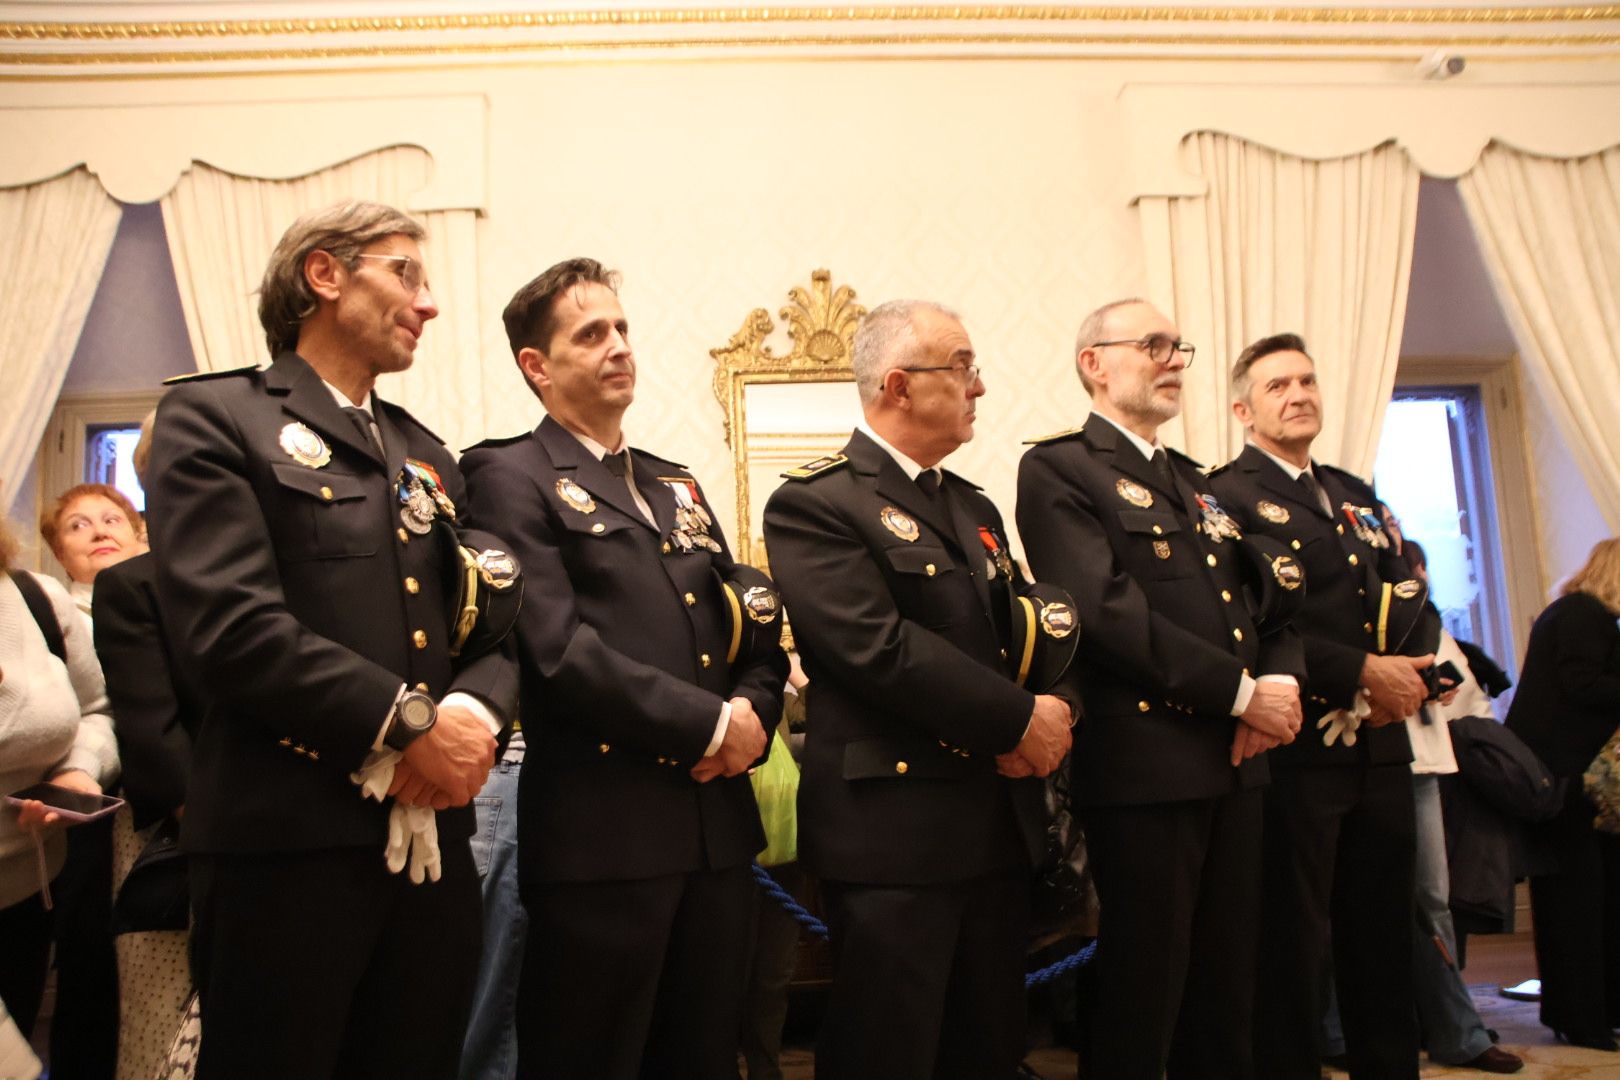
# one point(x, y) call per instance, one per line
point(1218, 524)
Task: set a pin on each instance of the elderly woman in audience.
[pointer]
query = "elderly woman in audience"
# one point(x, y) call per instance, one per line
point(156, 710)
point(89, 528)
point(1567, 706)
point(53, 727)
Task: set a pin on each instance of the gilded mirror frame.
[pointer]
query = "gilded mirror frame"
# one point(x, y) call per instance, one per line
point(820, 323)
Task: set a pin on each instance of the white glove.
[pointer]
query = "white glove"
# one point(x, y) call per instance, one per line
point(413, 831)
point(1344, 723)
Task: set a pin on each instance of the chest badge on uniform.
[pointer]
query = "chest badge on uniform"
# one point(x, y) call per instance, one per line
point(304, 446)
point(1218, 524)
point(1287, 572)
point(575, 496)
point(997, 561)
point(1134, 493)
point(1366, 524)
point(692, 518)
point(432, 484)
point(1273, 513)
point(1161, 548)
point(1057, 620)
point(899, 522)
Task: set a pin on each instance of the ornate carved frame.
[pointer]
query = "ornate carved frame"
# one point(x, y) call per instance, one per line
point(820, 324)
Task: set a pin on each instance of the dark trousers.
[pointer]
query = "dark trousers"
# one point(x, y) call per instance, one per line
point(1576, 913)
point(771, 960)
point(1179, 886)
point(928, 980)
point(1339, 851)
point(84, 1023)
point(625, 979)
point(25, 949)
point(317, 964)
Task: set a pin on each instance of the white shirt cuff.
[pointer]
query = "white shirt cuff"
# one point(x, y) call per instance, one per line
point(720, 729)
point(475, 705)
point(1245, 694)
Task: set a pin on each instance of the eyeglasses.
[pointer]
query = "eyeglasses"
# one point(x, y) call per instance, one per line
point(1158, 347)
point(410, 272)
point(971, 371)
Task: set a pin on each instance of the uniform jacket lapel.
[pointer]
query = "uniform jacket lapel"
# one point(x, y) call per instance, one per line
point(568, 455)
point(1119, 454)
point(308, 399)
point(1254, 460)
point(866, 456)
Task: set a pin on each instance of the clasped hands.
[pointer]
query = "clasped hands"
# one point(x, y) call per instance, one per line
point(742, 745)
point(1272, 718)
point(1046, 740)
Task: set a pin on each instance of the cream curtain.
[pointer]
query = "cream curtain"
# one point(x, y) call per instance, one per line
point(1282, 243)
point(222, 229)
point(1549, 230)
point(54, 240)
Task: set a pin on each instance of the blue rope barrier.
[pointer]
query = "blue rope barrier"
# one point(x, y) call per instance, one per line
point(769, 885)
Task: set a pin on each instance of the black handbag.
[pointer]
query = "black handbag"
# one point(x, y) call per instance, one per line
point(156, 894)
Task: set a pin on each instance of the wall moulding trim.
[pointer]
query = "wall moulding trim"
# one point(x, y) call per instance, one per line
point(139, 152)
point(1442, 127)
point(1369, 15)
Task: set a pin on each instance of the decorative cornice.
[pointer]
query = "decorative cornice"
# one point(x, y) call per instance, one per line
point(1365, 16)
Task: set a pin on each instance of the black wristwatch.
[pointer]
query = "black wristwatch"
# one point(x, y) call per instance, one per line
point(414, 714)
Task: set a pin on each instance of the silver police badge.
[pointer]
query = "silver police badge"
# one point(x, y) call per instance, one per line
point(576, 496)
point(1134, 493)
point(899, 522)
point(304, 446)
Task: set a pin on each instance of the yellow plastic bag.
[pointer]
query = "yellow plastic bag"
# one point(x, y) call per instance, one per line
point(776, 789)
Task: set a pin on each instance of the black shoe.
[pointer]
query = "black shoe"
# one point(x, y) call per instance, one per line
point(1495, 1060)
point(1592, 1040)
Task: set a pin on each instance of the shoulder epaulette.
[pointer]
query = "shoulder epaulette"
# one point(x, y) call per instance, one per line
point(1067, 433)
point(1217, 470)
point(819, 467)
point(490, 444)
point(654, 457)
point(200, 376)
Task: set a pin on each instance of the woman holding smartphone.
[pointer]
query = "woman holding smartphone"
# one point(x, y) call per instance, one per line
point(53, 727)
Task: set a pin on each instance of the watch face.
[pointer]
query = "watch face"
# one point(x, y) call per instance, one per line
point(417, 712)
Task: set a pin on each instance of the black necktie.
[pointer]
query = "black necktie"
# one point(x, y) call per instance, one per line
point(1314, 492)
point(362, 423)
point(928, 480)
point(1161, 462)
point(617, 464)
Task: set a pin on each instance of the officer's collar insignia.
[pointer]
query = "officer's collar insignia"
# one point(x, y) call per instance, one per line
point(1134, 493)
point(1405, 590)
point(760, 603)
point(575, 496)
point(1057, 620)
point(898, 522)
point(692, 518)
point(1161, 548)
point(497, 568)
point(304, 446)
point(431, 483)
point(1218, 524)
point(1367, 525)
point(1273, 513)
point(1287, 572)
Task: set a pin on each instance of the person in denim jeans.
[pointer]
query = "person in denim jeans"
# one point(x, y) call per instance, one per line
point(490, 1050)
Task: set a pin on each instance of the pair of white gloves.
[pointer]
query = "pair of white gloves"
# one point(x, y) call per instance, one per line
point(413, 831)
point(1344, 723)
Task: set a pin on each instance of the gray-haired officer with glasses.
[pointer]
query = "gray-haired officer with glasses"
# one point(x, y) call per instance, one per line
point(314, 571)
point(1188, 674)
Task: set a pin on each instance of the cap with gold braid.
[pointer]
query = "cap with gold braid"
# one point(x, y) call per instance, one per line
point(1045, 635)
point(753, 610)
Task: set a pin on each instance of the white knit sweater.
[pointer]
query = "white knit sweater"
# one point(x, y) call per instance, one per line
point(53, 717)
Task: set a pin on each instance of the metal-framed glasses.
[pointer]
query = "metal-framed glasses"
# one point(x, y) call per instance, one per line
point(971, 371)
point(410, 272)
point(1159, 348)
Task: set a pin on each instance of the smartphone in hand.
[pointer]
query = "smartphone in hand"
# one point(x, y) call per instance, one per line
point(76, 807)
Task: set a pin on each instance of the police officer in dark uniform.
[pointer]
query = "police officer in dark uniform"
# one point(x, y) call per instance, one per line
point(636, 819)
point(919, 806)
point(306, 562)
point(1184, 693)
point(1340, 831)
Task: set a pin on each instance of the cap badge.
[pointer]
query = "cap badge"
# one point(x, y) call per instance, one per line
point(1287, 572)
point(761, 604)
point(1057, 620)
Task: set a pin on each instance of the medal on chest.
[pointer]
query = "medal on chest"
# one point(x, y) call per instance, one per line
point(997, 561)
point(422, 497)
point(1366, 524)
point(1218, 524)
point(692, 518)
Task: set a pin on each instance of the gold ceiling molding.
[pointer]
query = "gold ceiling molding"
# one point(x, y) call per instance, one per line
point(1217, 46)
point(212, 28)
